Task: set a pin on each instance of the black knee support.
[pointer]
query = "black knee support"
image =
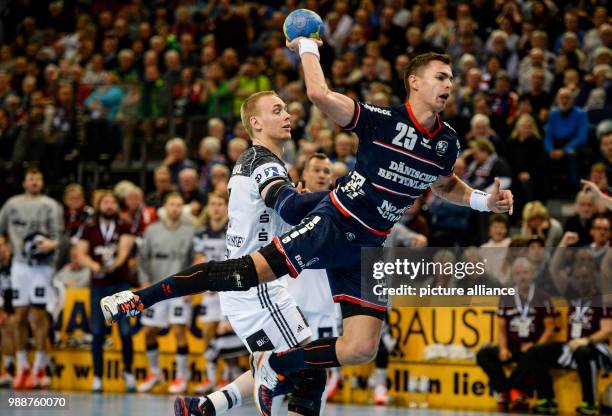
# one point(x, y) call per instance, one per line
point(308, 389)
point(229, 275)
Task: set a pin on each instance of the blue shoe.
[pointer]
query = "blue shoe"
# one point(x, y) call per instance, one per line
point(268, 383)
point(190, 406)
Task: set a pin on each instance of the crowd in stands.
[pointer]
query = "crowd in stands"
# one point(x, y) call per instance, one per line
point(114, 82)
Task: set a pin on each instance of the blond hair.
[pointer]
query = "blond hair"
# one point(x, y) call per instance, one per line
point(249, 108)
point(530, 120)
point(534, 209)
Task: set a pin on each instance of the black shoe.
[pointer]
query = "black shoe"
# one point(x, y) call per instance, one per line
point(190, 406)
point(586, 409)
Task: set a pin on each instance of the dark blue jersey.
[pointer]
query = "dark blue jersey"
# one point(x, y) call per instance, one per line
point(397, 160)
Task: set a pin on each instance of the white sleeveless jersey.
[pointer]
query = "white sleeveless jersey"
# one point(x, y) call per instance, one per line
point(252, 224)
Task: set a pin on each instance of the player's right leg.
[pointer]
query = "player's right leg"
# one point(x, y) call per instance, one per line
point(230, 275)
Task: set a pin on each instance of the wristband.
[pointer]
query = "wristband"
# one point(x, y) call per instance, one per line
point(478, 201)
point(308, 46)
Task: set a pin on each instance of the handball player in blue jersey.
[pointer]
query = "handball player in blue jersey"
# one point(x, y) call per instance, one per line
point(403, 150)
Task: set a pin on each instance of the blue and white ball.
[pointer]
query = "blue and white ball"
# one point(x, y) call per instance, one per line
point(303, 22)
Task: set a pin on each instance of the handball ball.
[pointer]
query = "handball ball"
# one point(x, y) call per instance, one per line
point(303, 22)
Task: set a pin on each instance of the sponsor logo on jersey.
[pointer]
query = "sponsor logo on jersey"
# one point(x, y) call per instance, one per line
point(234, 240)
point(390, 212)
point(441, 147)
point(307, 226)
point(350, 236)
point(377, 110)
point(237, 169)
point(425, 142)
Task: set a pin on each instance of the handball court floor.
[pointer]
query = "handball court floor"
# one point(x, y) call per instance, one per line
point(86, 404)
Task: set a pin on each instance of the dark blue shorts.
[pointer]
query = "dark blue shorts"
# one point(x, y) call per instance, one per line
point(327, 239)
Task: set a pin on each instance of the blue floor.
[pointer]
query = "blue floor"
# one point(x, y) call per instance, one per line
point(86, 404)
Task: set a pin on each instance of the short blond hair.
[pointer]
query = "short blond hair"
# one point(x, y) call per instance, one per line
point(249, 108)
point(534, 209)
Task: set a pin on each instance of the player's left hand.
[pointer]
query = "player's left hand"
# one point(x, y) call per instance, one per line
point(500, 200)
point(294, 44)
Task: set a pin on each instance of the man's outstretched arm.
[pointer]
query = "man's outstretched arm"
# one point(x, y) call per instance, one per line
point(338, 107)
point(454, 190)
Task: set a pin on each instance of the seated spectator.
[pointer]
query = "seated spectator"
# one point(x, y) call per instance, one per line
point(473, 255)
point(496, 248)
point(581, 222)
point(209, 154)
point(595, 96)
point(600, 179)
point(139, 215)
point(566, 133)
point(176, 158)
point(523, 321)
point(480, 128)
point(344, 150)
point(73, 274)
point(219, 178)
point(235, 147)
point(605, 149)
point(194, 198)
point(154, 103)
point(502, 102)
point(585, 348)
point(525, 153)
point(162, 181)
point(536, 221)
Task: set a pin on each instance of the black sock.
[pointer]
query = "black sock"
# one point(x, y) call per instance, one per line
point(217, 276)
point(317, 354)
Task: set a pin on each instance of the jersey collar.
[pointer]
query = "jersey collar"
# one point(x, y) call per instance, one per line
point(418, 125)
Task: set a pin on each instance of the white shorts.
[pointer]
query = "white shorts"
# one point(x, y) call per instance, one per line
point(31, 285)
point(210, 308)
point(276, 325)
point(175, 311)
point(322, 325)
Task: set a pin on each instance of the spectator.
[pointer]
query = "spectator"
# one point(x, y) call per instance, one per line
point(154, 104)
point(209, 154)
point(250, 79)
point(605, 152)
point(73, 274)
point(162, 181)
point(536, 221)
point(480, 128)
point(194, 198)
point(525, 153)
point(235, 147)
point(440, 31)
point(595, 96)
point(566, 133)
point(344, 150)
point(581, 222)
point(139, 215)
point(176, 158)
point(496, 248)
point(502, 101)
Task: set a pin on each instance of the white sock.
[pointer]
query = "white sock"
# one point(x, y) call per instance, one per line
point(380, 377)
point(181, 367)
point(22, 360)
point(220, 401)
point(153, 357)
point(7, 360)
point(211, 372)
point(39, 359)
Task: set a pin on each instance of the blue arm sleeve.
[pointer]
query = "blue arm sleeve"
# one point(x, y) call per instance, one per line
point(291, 205)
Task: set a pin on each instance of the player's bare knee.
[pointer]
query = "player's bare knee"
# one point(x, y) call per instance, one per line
point(359, 350)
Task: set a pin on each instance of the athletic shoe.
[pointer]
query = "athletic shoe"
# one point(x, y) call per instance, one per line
point(130, 382)
point(267, 381)
point(333, 383)
point(545, 407)
point(150, 382)
point(381, 396)
point(190, 406)
point(40, 380)
point(6, 379)
point(178, 386)
point(21, 379)
point(96, 385)
point(119, 305)
point(502, 402)
point(586, 409)
point(204, 388)
point(519, 403)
